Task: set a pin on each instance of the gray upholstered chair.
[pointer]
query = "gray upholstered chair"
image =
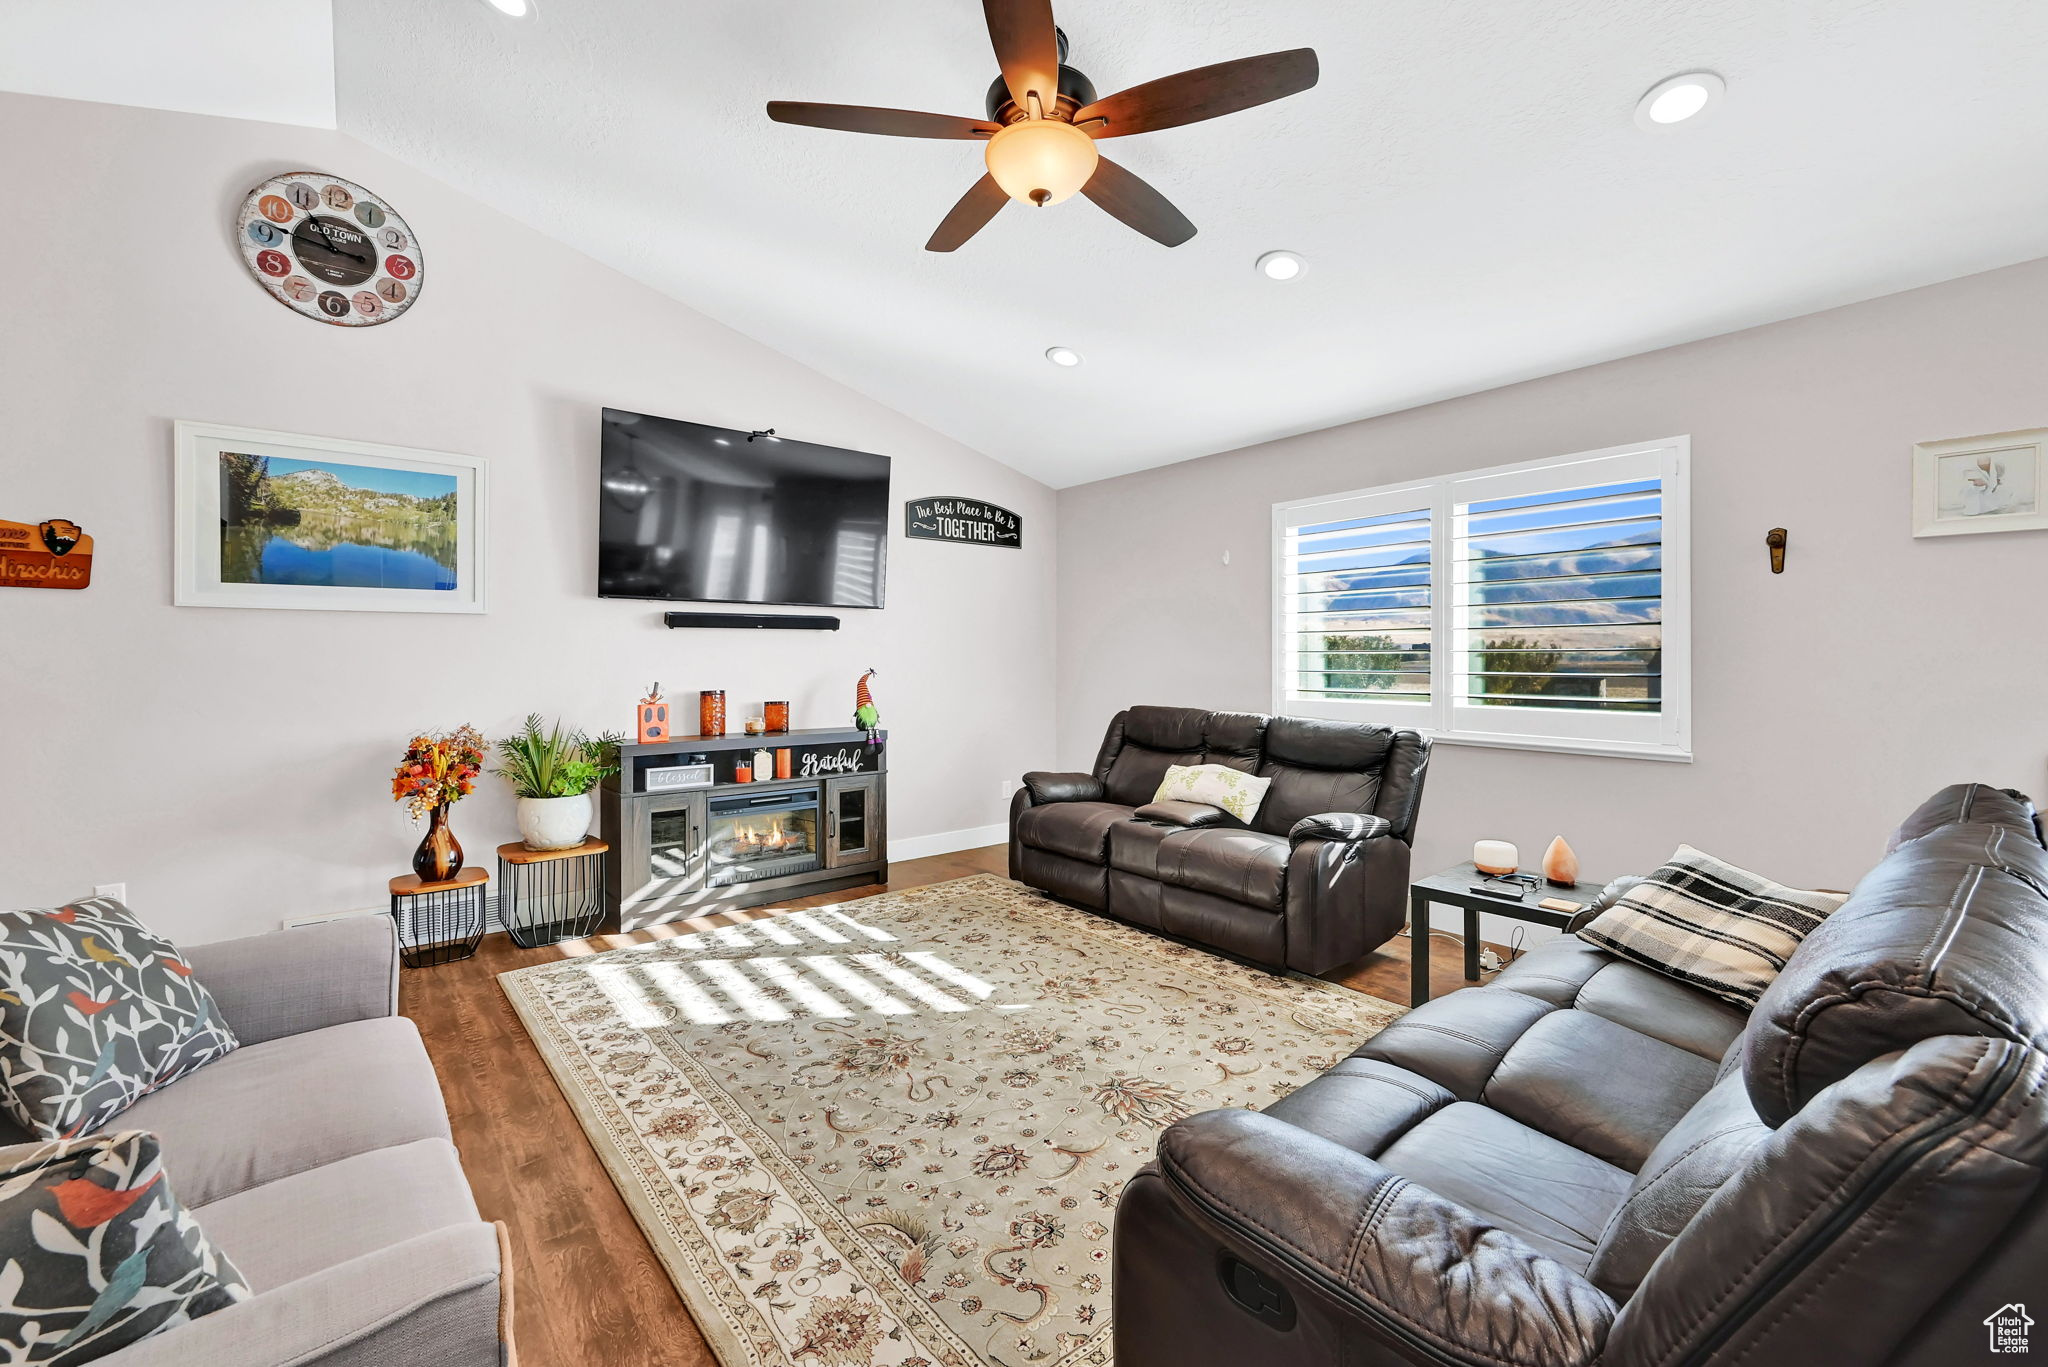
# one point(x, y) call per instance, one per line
point(318, 1157)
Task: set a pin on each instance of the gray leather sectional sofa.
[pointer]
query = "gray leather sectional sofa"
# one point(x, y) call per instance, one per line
point(1590, 1162)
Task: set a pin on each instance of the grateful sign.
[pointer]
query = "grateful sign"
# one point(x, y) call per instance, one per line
point(44, 555)
point(962, 519)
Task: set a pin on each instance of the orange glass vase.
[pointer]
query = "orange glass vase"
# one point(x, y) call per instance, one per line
point(711, 712)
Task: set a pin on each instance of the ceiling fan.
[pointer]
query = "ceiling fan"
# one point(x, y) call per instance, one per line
point(1044, 120)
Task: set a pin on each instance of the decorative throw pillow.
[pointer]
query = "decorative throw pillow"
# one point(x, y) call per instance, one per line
point(1217, 785)
point(95, 1012)
point(1705, 922)
point(98, 1251)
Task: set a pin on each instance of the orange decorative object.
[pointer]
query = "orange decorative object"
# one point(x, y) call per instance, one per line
point(49, 555)
point(782, 763)
point(743, 773)
point(778, 717)
point(1560, 865)
point(653, 717)
point(711, 712)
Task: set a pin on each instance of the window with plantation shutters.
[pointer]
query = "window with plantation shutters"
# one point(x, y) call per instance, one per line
point(1540, 605)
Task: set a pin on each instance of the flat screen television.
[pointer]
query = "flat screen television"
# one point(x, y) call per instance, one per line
point(702, 514)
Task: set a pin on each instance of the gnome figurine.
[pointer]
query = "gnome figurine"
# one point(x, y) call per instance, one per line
point(864, 714)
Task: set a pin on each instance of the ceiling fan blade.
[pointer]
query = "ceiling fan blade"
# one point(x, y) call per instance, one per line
point(1123, 196)
point(895, 123)
point(1027, 48)
point(969, 216)
point(1207, 92)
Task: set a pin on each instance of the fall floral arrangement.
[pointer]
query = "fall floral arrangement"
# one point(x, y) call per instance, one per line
point(438, 770)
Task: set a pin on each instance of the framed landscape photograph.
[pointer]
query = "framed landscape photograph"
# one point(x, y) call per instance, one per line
point(1981, 484)
point(278, 520)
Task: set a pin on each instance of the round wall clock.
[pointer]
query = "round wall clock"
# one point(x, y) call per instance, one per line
point(329, 249)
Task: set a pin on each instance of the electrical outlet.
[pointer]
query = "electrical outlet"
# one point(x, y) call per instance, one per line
point(117, 891)
point(1007, 787)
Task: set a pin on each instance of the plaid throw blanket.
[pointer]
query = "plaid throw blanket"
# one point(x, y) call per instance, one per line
point(1706, 922)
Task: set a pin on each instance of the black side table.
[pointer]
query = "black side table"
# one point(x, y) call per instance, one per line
point(438, 923)
point(1454, 888)
point(551, 895)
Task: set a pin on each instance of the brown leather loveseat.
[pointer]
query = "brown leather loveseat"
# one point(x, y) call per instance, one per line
point(1317, 879)
point(1590, 1162)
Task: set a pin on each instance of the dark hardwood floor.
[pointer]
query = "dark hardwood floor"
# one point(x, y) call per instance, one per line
point(588, 1288)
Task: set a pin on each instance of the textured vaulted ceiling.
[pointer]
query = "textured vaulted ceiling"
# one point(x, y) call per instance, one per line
point(1475, 201)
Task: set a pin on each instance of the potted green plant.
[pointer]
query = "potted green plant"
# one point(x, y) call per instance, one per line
point(552, 772)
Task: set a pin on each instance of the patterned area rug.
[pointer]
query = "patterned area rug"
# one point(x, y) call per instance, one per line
point(895, 1131)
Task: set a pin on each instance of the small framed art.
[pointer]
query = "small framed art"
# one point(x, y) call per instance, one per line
point(1981, 484)
point(279, 520)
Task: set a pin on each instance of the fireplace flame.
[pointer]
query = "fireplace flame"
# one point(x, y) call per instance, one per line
point(774, 836)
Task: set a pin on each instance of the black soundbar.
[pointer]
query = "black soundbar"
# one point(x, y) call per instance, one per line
point(762, 620)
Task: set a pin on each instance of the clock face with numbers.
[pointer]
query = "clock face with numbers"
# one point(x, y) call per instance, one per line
point(329, 249)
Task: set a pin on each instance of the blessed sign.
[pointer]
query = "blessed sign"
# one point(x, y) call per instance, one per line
point(45, 555)
point(962, 519)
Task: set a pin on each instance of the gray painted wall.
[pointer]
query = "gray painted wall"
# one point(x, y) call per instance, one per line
point(1827, 701)
point(232, 767)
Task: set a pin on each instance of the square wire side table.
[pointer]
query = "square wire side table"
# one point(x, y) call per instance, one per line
point(439, 923)
point(551, 895)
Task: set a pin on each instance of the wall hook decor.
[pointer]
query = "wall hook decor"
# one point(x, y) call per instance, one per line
point(1775, 539)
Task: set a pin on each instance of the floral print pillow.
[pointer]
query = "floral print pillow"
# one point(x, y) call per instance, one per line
point(95, 1013)
point(98, 1251)
point(1214, 785)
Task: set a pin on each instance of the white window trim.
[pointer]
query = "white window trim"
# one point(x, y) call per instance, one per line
point(1667, 736)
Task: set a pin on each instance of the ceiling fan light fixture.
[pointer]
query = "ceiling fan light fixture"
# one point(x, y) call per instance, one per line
point(1063, 356)
point(1041, 161)
point(1678, 99)
point(1282, 265)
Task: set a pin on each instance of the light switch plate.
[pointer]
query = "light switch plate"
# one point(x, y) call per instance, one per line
point(117, 891)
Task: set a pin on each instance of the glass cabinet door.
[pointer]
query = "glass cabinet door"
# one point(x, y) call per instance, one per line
point(663, 862)
point(854, 819)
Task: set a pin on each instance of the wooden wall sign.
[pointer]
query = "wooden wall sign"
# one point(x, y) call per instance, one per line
point(44, 555)
point(962, 519)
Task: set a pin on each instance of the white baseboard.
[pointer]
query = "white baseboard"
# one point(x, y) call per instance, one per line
point(945, 842)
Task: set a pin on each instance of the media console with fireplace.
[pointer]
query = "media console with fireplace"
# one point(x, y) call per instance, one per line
point(687, 839)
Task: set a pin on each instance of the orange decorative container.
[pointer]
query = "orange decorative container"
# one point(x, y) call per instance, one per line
point(653, 717)
point(782, 763)
point(743, 772)
point(711, 712)
point(778, 718)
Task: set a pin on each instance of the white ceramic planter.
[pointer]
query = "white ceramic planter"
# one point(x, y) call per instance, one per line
point(554, 823)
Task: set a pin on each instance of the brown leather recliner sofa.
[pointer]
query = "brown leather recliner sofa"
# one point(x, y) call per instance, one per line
point(1588, 1162)
point(1317, 879)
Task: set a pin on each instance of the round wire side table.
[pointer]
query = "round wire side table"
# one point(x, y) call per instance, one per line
point(550, 895)
point(441, 922)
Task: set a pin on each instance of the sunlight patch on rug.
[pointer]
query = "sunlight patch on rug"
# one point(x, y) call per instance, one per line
point(893, 1133)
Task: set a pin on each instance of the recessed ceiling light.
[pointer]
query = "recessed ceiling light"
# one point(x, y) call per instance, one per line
point(512, 9)
point(1282, 265)
point(723, 441)
point(1063, 355)
point(1679, 98)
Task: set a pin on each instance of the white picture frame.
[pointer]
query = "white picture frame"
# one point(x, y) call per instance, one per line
point(404, 552)
point(1994, 483)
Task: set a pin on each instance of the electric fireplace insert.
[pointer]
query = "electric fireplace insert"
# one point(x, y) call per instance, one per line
point(762, 835)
